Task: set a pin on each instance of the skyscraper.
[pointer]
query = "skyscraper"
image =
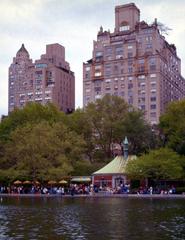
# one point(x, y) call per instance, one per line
point(136, 63)
point(49, 79)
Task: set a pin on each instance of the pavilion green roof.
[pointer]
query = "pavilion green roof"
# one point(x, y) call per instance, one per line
point(116, 166)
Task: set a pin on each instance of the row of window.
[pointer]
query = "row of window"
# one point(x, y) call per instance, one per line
point(152, 107)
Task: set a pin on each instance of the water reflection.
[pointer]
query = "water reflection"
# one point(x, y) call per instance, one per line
point(91, 218)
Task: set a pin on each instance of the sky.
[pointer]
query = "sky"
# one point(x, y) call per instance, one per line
point(74, 24)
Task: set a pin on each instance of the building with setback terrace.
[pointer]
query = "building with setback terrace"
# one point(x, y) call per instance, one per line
point(136, 63)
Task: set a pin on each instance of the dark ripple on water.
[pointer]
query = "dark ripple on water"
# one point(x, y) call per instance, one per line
point(90, 219)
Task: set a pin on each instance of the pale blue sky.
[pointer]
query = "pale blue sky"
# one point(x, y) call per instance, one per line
point(74, 24)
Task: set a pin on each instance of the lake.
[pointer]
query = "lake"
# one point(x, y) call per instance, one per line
point(35, 218)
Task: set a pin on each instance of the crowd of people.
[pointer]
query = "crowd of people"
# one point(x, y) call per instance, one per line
point(157, 190)
point(60, 190)
point(83, 189)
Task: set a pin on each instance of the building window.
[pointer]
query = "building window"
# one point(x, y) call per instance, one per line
point(139, 39)
point(130, 100)
point(130, 62)
point(87, 69)
point(142, 107)
point(97, 67)
point(108, 51)
point(152, 67)
point(141, 69)
point(130, 93)
point(149, 38)
point(119, 56)
point(148, 46)
point(153, 99)
point(153, 85)
point(130, 54)
point(153, 114)
point(109, 58)
point(141, 100)
point(116, 69)
point(153, 90)
point(119, 50)
point(152, 61)
point(97, 74)
point(87, 75)
point(98, 95)
point(153, 75)
point(41, 65)
point(153, 106)
point(97, 89)
point(130, 47)
point(97, 83)
point(124, 28)
point(98, 54)
point(107, 70)
point(141, 77)
point(141, 61)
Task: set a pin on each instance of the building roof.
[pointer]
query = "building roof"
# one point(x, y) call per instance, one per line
point(22, 49)
point(116, 166)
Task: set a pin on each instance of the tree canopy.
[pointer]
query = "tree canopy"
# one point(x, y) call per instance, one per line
point(41, 151)
point(31, 113)
point(159, 164)
point(108, 121)
point(42, 142)
point(172, 123)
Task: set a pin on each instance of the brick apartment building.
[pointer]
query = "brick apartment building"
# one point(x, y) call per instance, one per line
point(136, 63)
point(49, 79)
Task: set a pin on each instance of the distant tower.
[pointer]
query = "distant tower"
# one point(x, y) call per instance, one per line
point(125, 148)
point(19, 78)
point(49, 79)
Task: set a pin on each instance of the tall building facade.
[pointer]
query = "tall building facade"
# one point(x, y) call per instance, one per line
point(49, 79)
point(136, 63)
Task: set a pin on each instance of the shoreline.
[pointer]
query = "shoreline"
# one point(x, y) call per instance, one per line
point(98, 195)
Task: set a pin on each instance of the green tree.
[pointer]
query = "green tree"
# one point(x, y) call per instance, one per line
point(78, 121)
point(105, 118)
point(108, 121)
point(31, 113)
point(163, 163)
point(172, 123)
point(140, 134)
point(42, 151)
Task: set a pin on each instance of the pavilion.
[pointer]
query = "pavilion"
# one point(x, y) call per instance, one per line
point(113, 174)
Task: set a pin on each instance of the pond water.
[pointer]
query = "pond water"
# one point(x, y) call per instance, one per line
point(36, 218)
